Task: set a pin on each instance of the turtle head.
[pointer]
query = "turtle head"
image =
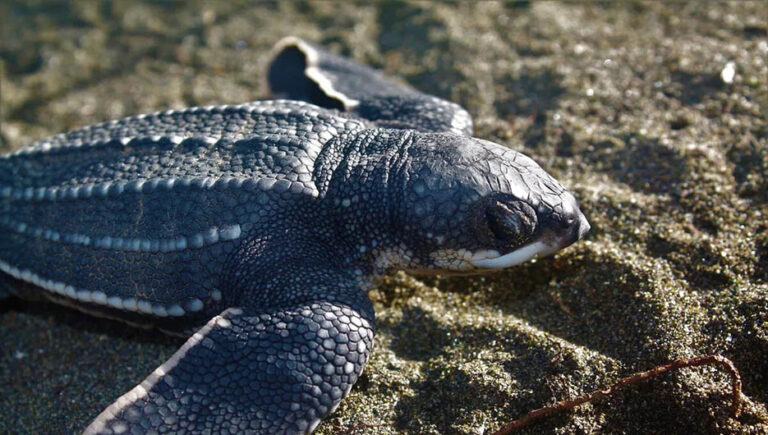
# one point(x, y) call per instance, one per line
point(470, 205)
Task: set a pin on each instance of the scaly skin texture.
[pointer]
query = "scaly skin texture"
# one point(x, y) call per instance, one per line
point(256, 228)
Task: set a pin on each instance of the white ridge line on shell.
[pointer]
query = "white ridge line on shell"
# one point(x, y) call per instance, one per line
point(254, 107)
point(208, 237)
point(99, 297)
point(146, 186)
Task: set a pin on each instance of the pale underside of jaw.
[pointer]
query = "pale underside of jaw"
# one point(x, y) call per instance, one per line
point(491, 259)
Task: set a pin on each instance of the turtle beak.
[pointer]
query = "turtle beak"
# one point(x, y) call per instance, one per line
point(564, 230)
point(576, 229)
point(567, 226)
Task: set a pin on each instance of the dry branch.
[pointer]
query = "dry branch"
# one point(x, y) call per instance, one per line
point(567, 404)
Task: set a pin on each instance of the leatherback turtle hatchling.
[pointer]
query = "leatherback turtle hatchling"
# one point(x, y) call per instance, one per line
point(254, 229)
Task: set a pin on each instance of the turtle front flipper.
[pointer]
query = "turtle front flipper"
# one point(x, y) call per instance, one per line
point(277, 371)
point(302, 71)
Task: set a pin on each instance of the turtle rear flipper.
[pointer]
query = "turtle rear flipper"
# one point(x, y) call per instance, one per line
point(302, 71)
point(279, 371)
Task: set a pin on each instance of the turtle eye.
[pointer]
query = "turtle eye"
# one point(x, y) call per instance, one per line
point(502, 223)
point(507, 223)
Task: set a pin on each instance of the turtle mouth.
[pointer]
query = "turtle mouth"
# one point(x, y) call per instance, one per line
point(492, 259)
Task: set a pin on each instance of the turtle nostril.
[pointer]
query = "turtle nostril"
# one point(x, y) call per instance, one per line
point(568, 222)
point(578, 227)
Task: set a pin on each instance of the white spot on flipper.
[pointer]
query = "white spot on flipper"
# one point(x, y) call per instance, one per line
point(329, 369)
point(223, 323)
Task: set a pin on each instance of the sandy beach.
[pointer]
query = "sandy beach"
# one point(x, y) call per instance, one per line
point(654, 115)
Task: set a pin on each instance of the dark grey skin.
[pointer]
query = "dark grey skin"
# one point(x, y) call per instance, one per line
point(256, 229)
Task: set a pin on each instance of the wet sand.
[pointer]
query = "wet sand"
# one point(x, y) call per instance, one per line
point(654, 115)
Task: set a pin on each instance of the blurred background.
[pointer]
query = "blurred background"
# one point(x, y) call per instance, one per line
point(654, 114)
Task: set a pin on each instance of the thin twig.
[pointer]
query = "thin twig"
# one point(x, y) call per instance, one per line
point(351, 429)
point(722, 361)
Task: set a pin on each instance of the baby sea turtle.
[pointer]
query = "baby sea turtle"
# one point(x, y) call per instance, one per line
point(255, 230)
